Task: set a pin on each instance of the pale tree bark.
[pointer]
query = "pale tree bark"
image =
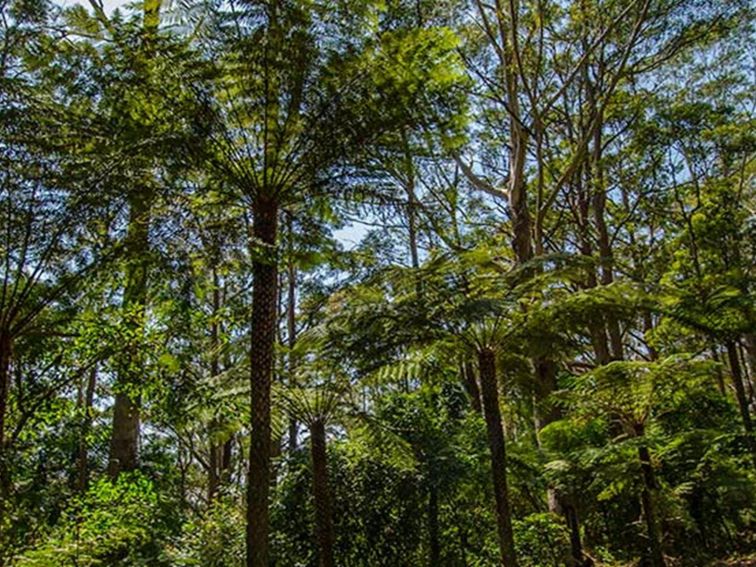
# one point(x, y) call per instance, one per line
point(86, 401)
point(124, 440)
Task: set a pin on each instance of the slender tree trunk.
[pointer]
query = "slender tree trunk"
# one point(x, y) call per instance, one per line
point(82, 459)
point(321, 494)
point(648, 502)
point(263, 336)
point(546, 411)
point(596, 327)
point(746, 372)
point(720, 375)
point(434, 544)
point(291, 331)
point(215, 457)
point(604, 244)
point(489, 390)
point(6, 349)
point(124, 441)
point(740, 394)
point(225, 463)
point(6, 353)
point(5, 362)
point(470, 382)
point(576, 545)
point(213, 472)
point(412, 224)
point(750, 346)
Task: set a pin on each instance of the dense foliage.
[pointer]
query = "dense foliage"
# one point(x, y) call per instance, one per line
point(366, 283)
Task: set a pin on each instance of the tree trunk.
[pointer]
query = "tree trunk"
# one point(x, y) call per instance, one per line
point(124, 441)
point(489, 390)
point(606, 257)
point(522, 243)
point(321, 494)
point(215, 456)
point(720, 375)
point(742, 398)
point(5, 360)
point(596, 327)
point(434, 544)
point(291, 331)
point(750, 346)
point(649, 511)
point(546, 411)
point(82, 459)
point(470, 382)
point(578, 558)
point(225, 463)
point(263, 335)
point(213, 469)
point(745, 369)
point(6, 348)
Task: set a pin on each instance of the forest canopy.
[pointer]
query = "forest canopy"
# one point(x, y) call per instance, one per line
point(377, 283)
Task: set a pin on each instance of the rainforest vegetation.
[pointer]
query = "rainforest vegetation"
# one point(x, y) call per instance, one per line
point(377, 283)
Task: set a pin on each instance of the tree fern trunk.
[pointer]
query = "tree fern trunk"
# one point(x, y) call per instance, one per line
point(649, 508)
point(322, 494)
point(263, 334)
point(489, 390)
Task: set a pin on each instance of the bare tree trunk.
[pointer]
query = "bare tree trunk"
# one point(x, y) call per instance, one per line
point(322, 494)
point(214, 459)
point(578, 558)
point(411, 208)
point(225, 463)
point(746, 372)
point(470, 382)
point(604, 244)
point(720, 375)
point(6, 349)
point(649, 508)
point(291, 331)
point(740, 395)
point(546, 411)
point(82, 459)
point(489, 389)
point(596, 327)
point(750, 346)
point(213, 472)
point(263, 336)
